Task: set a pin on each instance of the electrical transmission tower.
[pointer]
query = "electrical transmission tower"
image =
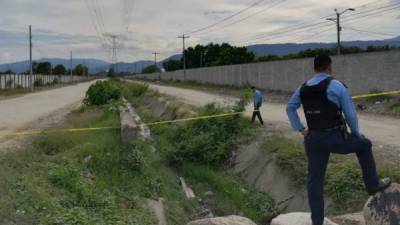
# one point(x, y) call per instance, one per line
point(114, 51)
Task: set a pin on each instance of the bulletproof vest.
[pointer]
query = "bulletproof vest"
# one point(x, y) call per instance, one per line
point(320, 112)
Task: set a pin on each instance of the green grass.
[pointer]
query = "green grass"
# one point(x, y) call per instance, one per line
point(198, 151)
point(91, 178)
point(50, 182)
point(395, 108)
point(375, 99)
point(343, 182)
point(229, 195)
point(14, 91)
point(290, 157)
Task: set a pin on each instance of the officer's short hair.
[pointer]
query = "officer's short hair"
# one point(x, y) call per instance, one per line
point(322, 61)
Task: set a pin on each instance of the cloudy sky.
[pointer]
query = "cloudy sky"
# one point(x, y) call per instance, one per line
point(146, 26)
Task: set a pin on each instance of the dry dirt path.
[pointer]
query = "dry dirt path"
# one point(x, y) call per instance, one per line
point(383, 131)
point(38, 110)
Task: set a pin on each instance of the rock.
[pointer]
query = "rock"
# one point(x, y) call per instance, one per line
point(206, 213)
point(230, 220)
point(384, 208)
point(350, 219)
point(186, 189)
point(158, 209)
point(296, 219)
point(87, 159)
point(361, 107)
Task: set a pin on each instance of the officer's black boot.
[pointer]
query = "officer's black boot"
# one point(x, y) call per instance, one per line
point(383, 185)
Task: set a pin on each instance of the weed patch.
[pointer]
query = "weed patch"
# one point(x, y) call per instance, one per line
point(204, 141)
point(226, 194)
point(85, 178)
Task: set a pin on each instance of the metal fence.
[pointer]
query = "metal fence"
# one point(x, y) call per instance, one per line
point(15, 81)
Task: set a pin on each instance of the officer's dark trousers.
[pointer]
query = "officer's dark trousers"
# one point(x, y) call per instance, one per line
point(319, 145)
point(258, 114)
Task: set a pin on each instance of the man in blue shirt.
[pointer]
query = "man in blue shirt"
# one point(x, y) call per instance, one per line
point(257, 101)
point(325, 101)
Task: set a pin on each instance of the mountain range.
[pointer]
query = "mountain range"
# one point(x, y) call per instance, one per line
point(96, 65)
point(292, 48)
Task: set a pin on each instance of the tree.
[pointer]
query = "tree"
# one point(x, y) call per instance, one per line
point(59, 70)
point(111, 73)
point(81, 70)
point(41, 68)
point(172, 65)
point(267, 58)
point(217, 55)
point(151, 69)
point(8, 72)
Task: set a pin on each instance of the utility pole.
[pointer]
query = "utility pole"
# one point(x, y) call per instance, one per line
point(30, 59)
point(155, 58)
point(135, 68)
point(338, 27)
point(201, 59)
point(70, 65)
point(184, 55)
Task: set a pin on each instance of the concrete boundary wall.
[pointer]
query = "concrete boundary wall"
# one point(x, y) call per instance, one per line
point(361, 72)
point(11, 81)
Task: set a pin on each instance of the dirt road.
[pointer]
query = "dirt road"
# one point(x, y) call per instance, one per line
point(384, 131)
point(40, 109)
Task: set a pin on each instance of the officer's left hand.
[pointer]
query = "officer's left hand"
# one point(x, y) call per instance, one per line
point(304, 132)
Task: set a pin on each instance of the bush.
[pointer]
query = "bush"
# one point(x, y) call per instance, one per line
point(102, 93)
point(204, 141)
point(134, 90)
point(38, 82)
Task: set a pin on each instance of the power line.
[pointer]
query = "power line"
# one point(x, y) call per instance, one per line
point(226, 18)
point(302, 25)
point(377, 13)
point(373, 10)
point(95, 24)
point(250, 16)
point(127, 9)
point(371, 32)
point(312, 25)
point(316, 34)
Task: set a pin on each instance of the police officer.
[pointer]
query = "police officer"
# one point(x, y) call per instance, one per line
point(257, 101)
point(324, 101)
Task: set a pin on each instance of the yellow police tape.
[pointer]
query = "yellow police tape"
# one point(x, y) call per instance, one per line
point(72, 130)
point(377, 94)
